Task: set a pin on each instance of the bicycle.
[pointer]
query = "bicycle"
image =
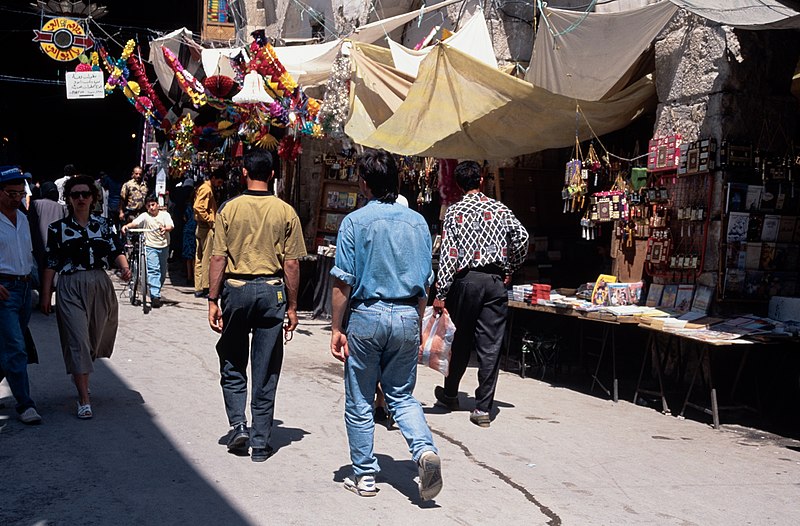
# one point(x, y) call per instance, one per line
point(137, 258)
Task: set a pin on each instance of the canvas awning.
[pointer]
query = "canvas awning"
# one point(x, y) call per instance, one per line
point(746, 14)
point(473, 39)
point(594, 56)
point(459, 107)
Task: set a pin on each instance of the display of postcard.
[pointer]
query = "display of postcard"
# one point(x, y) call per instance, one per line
point(352, 199)
point(755, 285)
point(767, 256)
point(734, 283)
point(737, 196)
point(770, 227)
point(735, 258)
point(753, 198)
point(343, 199)
point(786, 229)
point(769, 197)
point(333, 200)
point(635, 293)
point(737, 226)
point(752, 258)
point(332, 221)
point(618, 294)
point(683, 299)
point(654, 295)
point(754, 226)
point(669, 296)
point(702, 299)
point(600, 291)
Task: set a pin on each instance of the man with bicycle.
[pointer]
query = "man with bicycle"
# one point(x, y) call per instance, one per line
point(158, 224)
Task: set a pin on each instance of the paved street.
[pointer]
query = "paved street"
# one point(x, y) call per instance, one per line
point(154, 452)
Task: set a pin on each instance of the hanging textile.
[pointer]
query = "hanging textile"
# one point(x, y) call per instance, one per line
point(602, 53)
point(746, 14)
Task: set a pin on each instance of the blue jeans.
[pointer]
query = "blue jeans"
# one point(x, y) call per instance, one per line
point(257, 307)
point(156, 269)
point(383, 339)
point(15, 312)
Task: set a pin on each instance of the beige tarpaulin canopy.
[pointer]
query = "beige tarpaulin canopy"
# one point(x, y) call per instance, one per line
point(458, 107)
point(746, 14)
point(592, 56)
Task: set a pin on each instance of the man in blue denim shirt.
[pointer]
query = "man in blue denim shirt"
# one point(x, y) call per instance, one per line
point(383, 272)
point(16, 264)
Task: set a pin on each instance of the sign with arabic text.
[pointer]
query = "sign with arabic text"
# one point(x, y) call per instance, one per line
point(62, 39)
point(85, 85)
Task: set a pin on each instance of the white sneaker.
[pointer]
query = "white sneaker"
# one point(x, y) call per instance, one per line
point(363, 486)
point(430, 475)
point(30, 417)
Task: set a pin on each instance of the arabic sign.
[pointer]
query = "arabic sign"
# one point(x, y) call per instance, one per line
point(62, 39)
point(85, 85)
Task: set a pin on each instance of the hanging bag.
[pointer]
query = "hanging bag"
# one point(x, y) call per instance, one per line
point(438, 332)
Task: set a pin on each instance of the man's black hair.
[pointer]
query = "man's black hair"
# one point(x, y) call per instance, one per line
point(258, 163)
point(379, 171)
point(70, 170)
point(218, 173)
point(150, 199)
point(468, 175)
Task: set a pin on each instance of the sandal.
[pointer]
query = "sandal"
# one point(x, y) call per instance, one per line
point(85, 411)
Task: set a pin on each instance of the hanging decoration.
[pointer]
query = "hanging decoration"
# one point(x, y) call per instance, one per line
point(63, 39)
point(190, 85)
point(137, 72)
point(119, 78)
point(336, 101)
point(182, 148)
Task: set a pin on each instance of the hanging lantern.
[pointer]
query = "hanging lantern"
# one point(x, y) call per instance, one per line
point(253, 90)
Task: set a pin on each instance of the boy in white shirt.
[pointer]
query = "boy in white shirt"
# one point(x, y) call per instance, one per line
point(156, 244)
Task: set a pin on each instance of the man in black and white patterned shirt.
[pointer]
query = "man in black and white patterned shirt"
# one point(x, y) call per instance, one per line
point(483, 243)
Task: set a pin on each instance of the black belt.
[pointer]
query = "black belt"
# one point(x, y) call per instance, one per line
point(251, 277)
point(401, 301)
point(12, 277)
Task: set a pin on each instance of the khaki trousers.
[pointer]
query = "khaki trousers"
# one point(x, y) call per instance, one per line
point(204, 237)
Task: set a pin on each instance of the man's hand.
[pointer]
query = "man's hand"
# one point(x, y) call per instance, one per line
point(125, 273)
point(4, 295)
point(46, 304)
point(339, 348)
point(214, 317)
point(291, 324)
point(121, 215)
point(438, 306)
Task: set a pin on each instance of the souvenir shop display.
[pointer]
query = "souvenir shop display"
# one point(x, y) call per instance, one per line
point(760, 245)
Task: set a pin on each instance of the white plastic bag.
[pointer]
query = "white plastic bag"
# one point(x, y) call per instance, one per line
point(437, 338)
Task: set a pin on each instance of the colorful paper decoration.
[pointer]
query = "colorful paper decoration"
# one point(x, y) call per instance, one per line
point(190, 85)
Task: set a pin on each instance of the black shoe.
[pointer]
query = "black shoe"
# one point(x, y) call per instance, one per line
point(442, 400)
point(239, 437)
point(261, 454)
point(200, 294)
point(156, 303)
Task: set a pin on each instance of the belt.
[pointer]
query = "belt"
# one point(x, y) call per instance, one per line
point(401, 301)
point(12, 277)
point(486, 269)
point(251, 277)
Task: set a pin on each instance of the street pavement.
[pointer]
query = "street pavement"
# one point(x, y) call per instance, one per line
point(155, 451)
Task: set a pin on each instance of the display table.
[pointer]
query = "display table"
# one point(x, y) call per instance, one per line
point(607, 337)
point(705, 349)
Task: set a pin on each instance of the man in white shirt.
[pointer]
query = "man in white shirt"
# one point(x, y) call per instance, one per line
point(69, 171)
point(156, 242)
point(16, 265)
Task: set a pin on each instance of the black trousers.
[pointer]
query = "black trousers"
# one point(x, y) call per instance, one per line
point(478, 305)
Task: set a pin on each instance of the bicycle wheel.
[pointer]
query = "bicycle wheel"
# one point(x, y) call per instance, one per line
point(143, 276)
point(133, 282)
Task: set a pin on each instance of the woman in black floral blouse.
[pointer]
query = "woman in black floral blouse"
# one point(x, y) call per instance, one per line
point(80, 248)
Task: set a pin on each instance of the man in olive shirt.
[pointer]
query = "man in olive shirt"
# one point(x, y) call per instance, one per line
point(257, 242)
point(131, 197)
point(205, 210)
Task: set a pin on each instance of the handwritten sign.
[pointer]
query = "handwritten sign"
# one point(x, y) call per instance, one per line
point(85, 85)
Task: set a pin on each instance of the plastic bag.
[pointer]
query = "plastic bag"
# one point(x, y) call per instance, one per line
point(437, 338)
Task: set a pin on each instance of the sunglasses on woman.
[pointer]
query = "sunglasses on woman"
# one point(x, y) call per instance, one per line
point(77, 194)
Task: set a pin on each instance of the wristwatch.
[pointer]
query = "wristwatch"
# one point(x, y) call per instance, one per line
point(212, 299)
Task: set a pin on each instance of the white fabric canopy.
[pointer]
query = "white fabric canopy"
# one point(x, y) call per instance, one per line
point(600, 55)
point(374, 31)
point(473, 39)
point(216, 61)
point(745, 14)
point(189, 54)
